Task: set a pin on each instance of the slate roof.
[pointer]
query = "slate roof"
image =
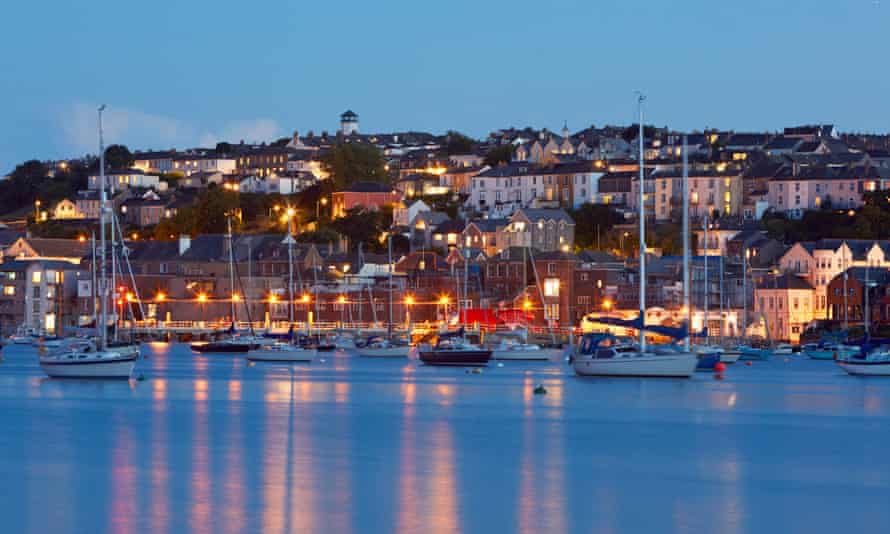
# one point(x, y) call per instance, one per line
point(786, 281)
point(58, 248)
point(546, 214)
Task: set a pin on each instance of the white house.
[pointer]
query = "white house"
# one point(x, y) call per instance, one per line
point(120, 179)
point(406, 211)
point(191, 162)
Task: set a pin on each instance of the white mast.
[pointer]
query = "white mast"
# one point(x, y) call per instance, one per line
point(103, 323)
point(846, 307)
point(642, 215)
point(744, 291)
point(231, 267)
point(687, 312)
point(707, 282)
point(290, 273)
point(94, 293)
point(389, 251)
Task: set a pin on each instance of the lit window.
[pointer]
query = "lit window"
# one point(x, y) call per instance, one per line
point(9, 290)
point(551, 287)
point(36, 276)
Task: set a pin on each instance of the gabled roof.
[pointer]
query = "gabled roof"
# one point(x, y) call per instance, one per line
point(782, 143)
point(544, 214)
point(488, 225)
point(57, 248)
point(451, 226)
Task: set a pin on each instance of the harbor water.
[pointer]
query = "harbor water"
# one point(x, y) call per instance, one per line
point(208, 443)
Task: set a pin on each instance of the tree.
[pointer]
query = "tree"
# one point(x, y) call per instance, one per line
point(500, 154)
point(118, 157)
point(631, 132)
point(354, 162)
point(592, 220)
point(361, 226)
point(458, 143)
point(223, 148)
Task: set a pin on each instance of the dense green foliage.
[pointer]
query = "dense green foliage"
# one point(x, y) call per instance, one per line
point(498, 155)
point(31, 181)
point(871, 221)
point(458, 143)
point(118, 157)
point(593, 221)
point(353, 162)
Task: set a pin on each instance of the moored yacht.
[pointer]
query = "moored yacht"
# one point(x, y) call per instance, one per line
point(380, 347)
point(281, 352)
point(453, 349)
point(606, 355)
point(82, 359)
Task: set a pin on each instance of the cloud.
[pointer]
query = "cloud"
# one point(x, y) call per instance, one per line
point(250, 131)
point(78, 127)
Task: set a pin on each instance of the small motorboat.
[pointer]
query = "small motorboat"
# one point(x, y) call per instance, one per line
point(281, 352)
point(730, 355)
point(783, 349)
point(749, 353)
point(229, 345)
point(606, 355)
point(83, 360)
point(452, 349)
point(829, 351)
point(380, 347)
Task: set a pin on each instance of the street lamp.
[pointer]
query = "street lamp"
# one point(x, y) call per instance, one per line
point(409, 301)
point(324, 202)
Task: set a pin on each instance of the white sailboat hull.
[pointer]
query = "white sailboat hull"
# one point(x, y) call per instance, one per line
point(267, 354)
point(388, 352)
point(866, 369)
point(680, 365)
point(522, 355)
point(730, 357)
point(111, 367)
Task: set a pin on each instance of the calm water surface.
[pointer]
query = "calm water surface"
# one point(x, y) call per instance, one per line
point(209, 444)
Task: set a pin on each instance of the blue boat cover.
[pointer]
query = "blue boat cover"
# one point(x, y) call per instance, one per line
point(677, 333)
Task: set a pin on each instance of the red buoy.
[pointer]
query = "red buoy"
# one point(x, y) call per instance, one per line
point(749, 364)
point(720, 367)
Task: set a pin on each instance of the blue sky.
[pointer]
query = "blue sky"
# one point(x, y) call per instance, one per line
point(181, 74)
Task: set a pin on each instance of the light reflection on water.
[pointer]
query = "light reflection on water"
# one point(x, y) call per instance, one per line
point(208, 444)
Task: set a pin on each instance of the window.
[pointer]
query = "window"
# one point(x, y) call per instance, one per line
point(551, 287)
point(9, 290)
point(36, 276)
point(551, 268)
point(552, 311)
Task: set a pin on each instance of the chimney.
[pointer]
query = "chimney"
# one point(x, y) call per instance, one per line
point(185, 242)
point(296, 138)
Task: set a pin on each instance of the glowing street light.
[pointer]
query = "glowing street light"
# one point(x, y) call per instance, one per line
point(236, 297)
point(160, 297)
point(305, 299)
point(202, 297)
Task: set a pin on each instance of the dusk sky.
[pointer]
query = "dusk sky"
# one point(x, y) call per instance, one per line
point(191, 73)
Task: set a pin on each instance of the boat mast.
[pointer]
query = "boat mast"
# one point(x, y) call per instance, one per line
point(114, 306)
point(290, 273)
point(642, 216)
point(707, 282)
point(846, 307)
point(103, 324)
point(744, 292)
point(231, 266)
point(722, 316)
point(389, 251)
point(93, 288)
point(687, 312)
point(866, 316)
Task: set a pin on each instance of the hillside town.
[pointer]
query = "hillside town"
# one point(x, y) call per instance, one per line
point(526, 226)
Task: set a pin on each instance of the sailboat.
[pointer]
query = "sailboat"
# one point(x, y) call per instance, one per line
point(233, 342)
point(389, 346)
point(605, 354)
point(708, 355)
point(86, 358)
point(282, 351)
